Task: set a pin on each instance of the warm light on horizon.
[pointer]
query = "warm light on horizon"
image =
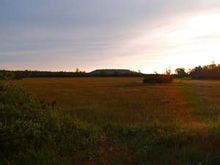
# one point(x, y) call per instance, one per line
point(99, 37)
point(188, 43)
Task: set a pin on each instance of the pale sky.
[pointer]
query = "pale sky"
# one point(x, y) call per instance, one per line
point(146, 35)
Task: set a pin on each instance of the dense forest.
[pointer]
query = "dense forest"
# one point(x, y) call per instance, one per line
point(211, 71)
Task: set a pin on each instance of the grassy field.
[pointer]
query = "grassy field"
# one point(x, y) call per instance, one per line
point(139, 123)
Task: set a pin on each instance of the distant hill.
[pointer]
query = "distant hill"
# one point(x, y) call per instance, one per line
point(6, 74)
point(114, 72)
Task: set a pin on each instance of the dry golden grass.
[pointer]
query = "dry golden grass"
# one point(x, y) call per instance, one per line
point(157, 123)
point(124, 101)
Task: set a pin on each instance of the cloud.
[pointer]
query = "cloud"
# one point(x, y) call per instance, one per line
point(96, 33)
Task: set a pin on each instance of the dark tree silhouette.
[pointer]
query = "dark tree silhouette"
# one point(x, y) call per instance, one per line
point(211, 71)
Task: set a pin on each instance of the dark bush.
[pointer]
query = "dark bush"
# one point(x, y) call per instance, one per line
point(32, 133)
point(157, 78)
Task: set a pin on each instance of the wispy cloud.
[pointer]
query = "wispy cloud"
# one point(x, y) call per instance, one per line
point(147, 35)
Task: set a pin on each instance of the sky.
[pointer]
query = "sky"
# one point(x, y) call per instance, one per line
point(145, 35)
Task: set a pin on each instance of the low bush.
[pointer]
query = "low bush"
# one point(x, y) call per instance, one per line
point(32, 132)
point(157, 78)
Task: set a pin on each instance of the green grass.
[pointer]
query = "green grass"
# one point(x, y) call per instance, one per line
point(204, 97)
point(116, 121)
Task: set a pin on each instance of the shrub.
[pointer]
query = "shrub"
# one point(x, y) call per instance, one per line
point(32, 132)
point(158, 78)
point(4, 75)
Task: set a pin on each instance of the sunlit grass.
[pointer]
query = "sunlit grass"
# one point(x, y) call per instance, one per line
point(114, 100)
point(174, 123)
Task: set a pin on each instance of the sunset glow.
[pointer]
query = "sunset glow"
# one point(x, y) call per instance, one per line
point(193, 41)
point(184, 34)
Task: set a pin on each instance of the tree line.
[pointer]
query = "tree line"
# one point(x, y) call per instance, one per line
point(211, 71)
point(6, 74)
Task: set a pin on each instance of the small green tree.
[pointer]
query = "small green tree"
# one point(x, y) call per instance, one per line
point(181, 73)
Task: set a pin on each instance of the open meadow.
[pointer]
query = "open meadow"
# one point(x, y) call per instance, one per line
point(109, 82)
point(175, 123)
